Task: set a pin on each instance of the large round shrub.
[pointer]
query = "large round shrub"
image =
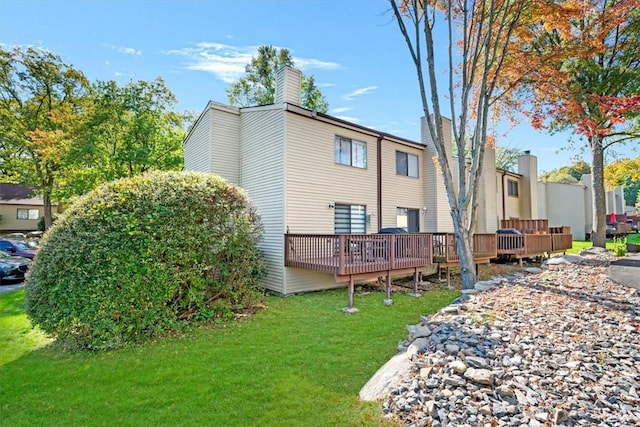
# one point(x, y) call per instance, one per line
point(139, 257)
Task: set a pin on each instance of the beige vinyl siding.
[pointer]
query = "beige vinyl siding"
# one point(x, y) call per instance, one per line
point(512, 203)
point(562, 205)
point(10, 221)
point(314, 180)
point(225, 155)
point(197, 145)
point(487, 217)
point(400, 191)
point(262, 177)
point(437, 217)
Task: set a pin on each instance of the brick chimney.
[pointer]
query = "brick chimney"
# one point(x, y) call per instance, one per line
point(288, 85)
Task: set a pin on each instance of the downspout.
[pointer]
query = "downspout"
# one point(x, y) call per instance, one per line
point(379, 179)
point(504, 209)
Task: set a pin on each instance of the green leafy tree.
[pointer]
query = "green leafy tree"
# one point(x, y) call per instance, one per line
point(128, 130)
point(625, 173)
point(507, 158)
point(568, 174)
point(42, 101)
point(258, 87)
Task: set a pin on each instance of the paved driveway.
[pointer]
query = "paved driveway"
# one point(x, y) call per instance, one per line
point(626, 271)
point(7, 288)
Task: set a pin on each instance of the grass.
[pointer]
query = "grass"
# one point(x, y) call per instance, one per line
point(579, 245)
point(299, 362)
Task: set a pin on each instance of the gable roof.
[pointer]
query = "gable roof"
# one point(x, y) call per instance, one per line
point(15, 194)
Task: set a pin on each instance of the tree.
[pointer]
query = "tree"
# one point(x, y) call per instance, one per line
point(507, 158)
point(41, 105)
point(584, 73)
point(568, 174)
point(258, 87)
point(128, 130)
point(625, 173)
point(479, 40)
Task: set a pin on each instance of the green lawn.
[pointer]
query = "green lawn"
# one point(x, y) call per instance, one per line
point(299, 362)
point(578, 245)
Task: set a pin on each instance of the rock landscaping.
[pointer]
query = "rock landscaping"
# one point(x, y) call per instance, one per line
point(555, 346)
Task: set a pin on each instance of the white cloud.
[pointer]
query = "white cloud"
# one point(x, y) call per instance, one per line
point(339, 110)
point(359, 92)
point(349, 119)
point(315, 64)
point(125, 50)
point(228, 62)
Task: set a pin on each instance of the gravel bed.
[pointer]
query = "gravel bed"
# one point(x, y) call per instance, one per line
point(560, 346)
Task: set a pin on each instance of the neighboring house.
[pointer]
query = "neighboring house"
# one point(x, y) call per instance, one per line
point(313, 173)
point(573, 204)
point(517, 195)
point(20, 208)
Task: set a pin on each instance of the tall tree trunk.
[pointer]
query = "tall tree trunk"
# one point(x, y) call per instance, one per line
point(598, 234)
point(465, 252)
point(48, 216)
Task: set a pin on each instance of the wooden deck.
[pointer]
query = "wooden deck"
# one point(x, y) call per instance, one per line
point(537, 239)
point(353, 257)
point(445, 250)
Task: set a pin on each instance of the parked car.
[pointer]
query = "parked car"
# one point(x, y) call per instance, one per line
point(17, 248)
point(12, 268)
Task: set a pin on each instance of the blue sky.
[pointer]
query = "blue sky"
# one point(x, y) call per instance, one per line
point(352, 47)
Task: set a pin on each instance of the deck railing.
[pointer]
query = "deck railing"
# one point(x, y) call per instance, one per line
point(560, 242)
point(524, 244)
point(445, 247)
point(350, 254)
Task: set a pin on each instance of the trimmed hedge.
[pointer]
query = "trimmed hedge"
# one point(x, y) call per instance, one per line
point(139, 257)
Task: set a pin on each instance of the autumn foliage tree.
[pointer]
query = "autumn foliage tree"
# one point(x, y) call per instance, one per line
point(480, 38)
point(42, 101)
point(582, 66)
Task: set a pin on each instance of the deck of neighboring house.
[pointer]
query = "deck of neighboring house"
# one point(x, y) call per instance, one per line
point(536, 238)
point(358, 257)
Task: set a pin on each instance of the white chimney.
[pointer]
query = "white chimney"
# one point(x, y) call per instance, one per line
point(288, 85)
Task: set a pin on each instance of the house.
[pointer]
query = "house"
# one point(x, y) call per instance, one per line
point(312, 173)
point(20, 208)
point(522, 195)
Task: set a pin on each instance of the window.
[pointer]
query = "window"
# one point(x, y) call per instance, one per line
point(351, 153)
point(512, 188)
point(408, 219)
point(406, 164)
point(350, 219)
point(28, 213)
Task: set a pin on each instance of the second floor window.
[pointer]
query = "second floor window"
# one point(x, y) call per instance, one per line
point(406, 164)
point(351, 153)
point(512, 188)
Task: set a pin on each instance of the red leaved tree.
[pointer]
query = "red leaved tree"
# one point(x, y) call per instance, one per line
point(584, 73)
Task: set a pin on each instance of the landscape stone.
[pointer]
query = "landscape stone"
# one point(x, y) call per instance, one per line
point(559, 347)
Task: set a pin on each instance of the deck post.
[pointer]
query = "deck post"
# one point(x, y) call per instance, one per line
point(350, 309)
point(415, 292)
point(387, 289)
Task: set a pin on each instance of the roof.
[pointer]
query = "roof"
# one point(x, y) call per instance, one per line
point(15, 194)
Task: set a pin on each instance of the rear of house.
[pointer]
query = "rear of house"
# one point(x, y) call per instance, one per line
point(309, 173)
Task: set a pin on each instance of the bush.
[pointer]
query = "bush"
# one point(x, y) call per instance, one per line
point(620, 246)
point(137, 258)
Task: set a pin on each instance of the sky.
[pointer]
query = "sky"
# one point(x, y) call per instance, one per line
point(353, 48)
